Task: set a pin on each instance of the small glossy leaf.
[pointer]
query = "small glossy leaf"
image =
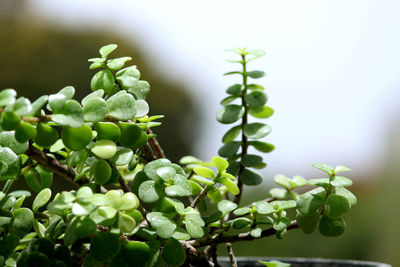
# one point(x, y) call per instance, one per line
point(278, 193)
point(308, 203)
point(166, 173)
point(104, 246)
point(151, 168)
point(107, 130)
point(231, 134)
point(231, 186)
point(136, 253)
point(70, 115)
point(122, 157)
point(256, 74)
point(264, 207)
point(261, 113)
point(9, 120)
point(341, 181)
point(104, 149)
point(220, 163)
point(173, 253)
point(336, 206)
point(256, 99)
point(165, 228)
point(76, 138)
point(107, 49)
point(95, 109)
point(150, 191)
point(122, 107)
point(126, 223)
point(274, 263)
point(129, 201)
point(41, 199)
point(307, 223)
point(128, 77)
point(281, 224)
point(103, 79)
point(342, 169)
point(22, 106)
point(141, 108)
point(256, 130)
point(347, 194)
point(234, 89)
point(38, 104)
point(240, 223)
point(21, 221)
point(332, 227)
point(140, 89)
point(228, 100)
point(256, 232)
point(242, 211)
point(249, 177)
point(324, 167)
point(7, 97)
point(46, 135)
point(262, 146)
point(230, 113)
point(251, 160)
point(229, 149)
point(204, 171)
point(226, 206)
point(24, 132)
point(117, 63)
point(101, 171)
point(130, 134)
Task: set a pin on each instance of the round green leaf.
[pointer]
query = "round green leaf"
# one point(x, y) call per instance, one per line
point(104, 246)
point(220, 163)
point(107, 130)
point(70, 115)
point(41, 199)
point(307, 223)
point(130, 134)
point(331, 226)
point(123, 107)
point(136, 253)
point(256, 130)
point(341, 181)
point(22, 106)
point(226, 206)
point(107, 49)
point(95, 109)
point(117, 63)
point(250, 178)
point(308, 203)
point(46, 135)
point(7, 139)
point(128, 77)
point(151, 168)
point(262, 112)
point(56, 102)
point(7, 97)
point(262, 146)
point(129, 201)
point(149, 191)
point(122, 157)
point(141, 107)
point(231, 134)
point(21, 221)
point(140, 89)
point(24, 132)
point(76, 138)
point(8, 242)
point(234, 89)
point(103, 79)
point(104, 149)
point(264, 207)
point(240, 223)
point(173, 253)
point(85, 227)
point(336, 206)
point(165, 228)
point(251, 160)
point(231, 186)
point(126, 223)
point(256, 99)
point(9, 120)
point(230, 113)
point(96, 94)
point(101, 171)
point(256, 74)
point(229, 149)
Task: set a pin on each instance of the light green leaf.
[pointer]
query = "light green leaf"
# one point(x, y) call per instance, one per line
point(256, 130)
point(122, 107)
point(242, 211)
point(231, 186)
point(309, 202)
point(38, 104)
point(261, 113)
point(264, 207)
point(226, 206)
point(151, 168)
point(7, 97)
point(324, 167)
point(96, 94)
point(341, 181)
point(341, 191)
point(220, 163)
point(128, 77)
point(126, 223)
point(342, 169)
point(71, 114)
point(122, 157)
point(104, 149)
point(150, 191)
point(117, 63)
point(103, 79)
point(95, 109)
point(22, 106)
point(141, 107)
point(107, 49)
point(41, 199)
point(129, 201)
point(165, 228)
point(231, 134)
point(205, 172)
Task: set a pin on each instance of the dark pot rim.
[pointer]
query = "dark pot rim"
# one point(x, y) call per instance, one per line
point(308, 260)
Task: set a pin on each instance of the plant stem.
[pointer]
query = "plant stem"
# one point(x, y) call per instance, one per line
point(231, 255)
point(200, 196)
point(245, 143)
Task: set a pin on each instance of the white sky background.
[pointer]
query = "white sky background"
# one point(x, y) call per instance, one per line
point(333, 67)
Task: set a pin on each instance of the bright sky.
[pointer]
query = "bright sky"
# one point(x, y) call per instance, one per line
point(333, 67)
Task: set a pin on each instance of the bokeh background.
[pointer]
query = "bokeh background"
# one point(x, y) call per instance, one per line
point(333, 79)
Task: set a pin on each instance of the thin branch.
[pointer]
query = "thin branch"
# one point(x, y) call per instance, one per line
point(231, 255)
point(236, 238)
point(155, 145)
point(199, 197)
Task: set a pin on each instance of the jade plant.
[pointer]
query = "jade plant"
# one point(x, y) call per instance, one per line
point(131, 205)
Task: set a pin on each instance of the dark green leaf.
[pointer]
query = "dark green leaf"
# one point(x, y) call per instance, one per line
point(230, 113)
point(307, 223)
point(256, 74)
point(165, 228)
point(262, 146)
point(24, 132)
point(256, 99)
point(76, 138)
point(332, 227)
point(107, 130)
point(173, 253)
point(240, 223)
point(250, 178)
point(229, 149)
point(234, 89)
point(135, 253)
point(101, 171)
point(336, 206)
point(9, 120)
point(104, 246)
point(251, 160)
point(308, 203)
point(130, 134)
point(231, 134)
point(21, 221)
point(256, 130)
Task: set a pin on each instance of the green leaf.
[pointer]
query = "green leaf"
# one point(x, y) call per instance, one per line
point(205, 172)
point(122, 107)
point(229, 149)
point(242, 211)
point(336, 206)
point(278, 193)
point(46, 135)
point(261, 113)
point(140, 89)
point(96, 94)
point(151, 168)
point(240, 223)
point(21, 221)
point(256, 130)
point(226, 206)
point(189, 160)
point(129, 201)
point(70, 115)
point(150, 191)
point(194, 224)
point(117, 63)
point(250, 178)
point(342, 169)
point(214, 194)
point(256, 99)
point(107, 212)
point(341, 191)
point(107, 130)
point(24, 132)
point(126, 223)
point(7, 97)
point(128, 77)
point(39, 178)
point(281, 223)
point(103, 79)
point(8, 242)
point(228, 100)
point(179, 189)
point(264, 207)
point(130, 134)
point(202, 180)
point(104, 149)
point(284, 181)
point(122, 157)
point(101, 171)
point(274, 263)
point(257, 53)
point(166, 173)
point(9, 120)
point(230, 113)
point(341, 181)
point(7, 139)
point(81, 209)
point(95, 109)
point(256, 74)
point(107, 49)
point(220, 163)
point(323, 182)
point(324, 167)
point(234, 89)
point(256, 232)
point(231, 186)
point(165, 228)
point(309, 202)
point(76, 138)
point(141, 108)
point(173, 253)
point(251, 160)
point(233, 72)
point(135, 253)
point(308, 223)
point(332, 226)
point(85, 227)
point(41, 199)
point(104, 246)
point(84, 192)
point(38, 104)
point(262, 146)
point(22, 106)
point(230, 135)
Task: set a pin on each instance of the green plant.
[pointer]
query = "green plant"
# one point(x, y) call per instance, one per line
point(132, 206)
